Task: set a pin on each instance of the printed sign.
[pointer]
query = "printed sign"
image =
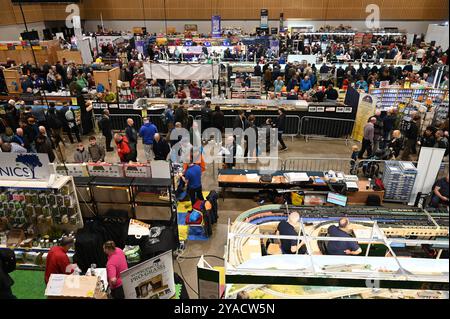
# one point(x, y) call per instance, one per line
point(107, 170)
point(24, 166)
point(133, 170)
point(75, 170)
point(152, 279)
point(366, 108)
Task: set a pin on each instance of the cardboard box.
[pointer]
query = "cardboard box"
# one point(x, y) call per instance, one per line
point(15, 237)
point(73, 287)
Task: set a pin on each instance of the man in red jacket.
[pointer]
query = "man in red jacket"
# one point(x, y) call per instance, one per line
point(57, 259)
point(123, 148)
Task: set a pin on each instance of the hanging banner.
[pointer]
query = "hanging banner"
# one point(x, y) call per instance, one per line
point(264, 24)
point(152, 279)
point(24, 167)
point(366, 108)
point(216, 29)
point(281, 22)
point(275, 46)
point(181, 71)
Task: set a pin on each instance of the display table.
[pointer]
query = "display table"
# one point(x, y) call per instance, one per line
point(229, 178)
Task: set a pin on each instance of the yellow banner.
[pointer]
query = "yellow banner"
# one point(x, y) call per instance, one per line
point(366, 108)
point(19, 47)
point(3, 47)
point(37, 47)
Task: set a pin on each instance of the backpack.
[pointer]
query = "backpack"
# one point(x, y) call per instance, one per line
point(69, 116)
point(164, 117)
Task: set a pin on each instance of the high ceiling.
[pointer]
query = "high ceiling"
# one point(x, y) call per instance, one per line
point(228, 9)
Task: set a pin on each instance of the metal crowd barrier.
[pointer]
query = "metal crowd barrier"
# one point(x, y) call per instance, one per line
point(292, 123)
point(119, 121)
point(326, 128)
point(319, 164)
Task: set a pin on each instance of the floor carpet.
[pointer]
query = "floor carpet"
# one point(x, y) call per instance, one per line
point(193, 232)
point(28, 284)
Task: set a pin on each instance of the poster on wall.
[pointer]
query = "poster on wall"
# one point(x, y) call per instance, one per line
point(264, 24)
point(24, 167)
point(216, 29)
point(190, 27)
point(366, 108)
point(152, 279)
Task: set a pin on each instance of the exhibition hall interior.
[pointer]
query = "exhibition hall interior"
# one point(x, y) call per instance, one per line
point(224, 149)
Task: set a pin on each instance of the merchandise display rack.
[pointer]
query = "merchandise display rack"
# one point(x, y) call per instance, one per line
point(44, 207)
point(389, 97)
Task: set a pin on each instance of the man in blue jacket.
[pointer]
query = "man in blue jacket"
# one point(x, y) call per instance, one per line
point(147, 132)
point(305, 84)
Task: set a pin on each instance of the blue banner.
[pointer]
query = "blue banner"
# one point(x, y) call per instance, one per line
point(216, 30)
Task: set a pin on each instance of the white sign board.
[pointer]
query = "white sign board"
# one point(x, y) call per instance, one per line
point(152, 279)
point(197, 71)
point(133, 170)
point(312, 59)
point(160, 169)
point(106, 170)
point(24, 166)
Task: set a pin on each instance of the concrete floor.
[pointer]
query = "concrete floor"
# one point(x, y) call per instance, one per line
point(231, 207)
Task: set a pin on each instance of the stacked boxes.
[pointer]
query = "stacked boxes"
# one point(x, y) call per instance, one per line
point(398, 180)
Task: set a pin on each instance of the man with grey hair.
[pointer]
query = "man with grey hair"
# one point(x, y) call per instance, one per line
point(342, 247)
point(367, 142)
point(289, 228)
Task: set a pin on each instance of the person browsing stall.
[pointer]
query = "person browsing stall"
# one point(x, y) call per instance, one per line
point(116, 264)
point(193, 179)
point(57, 260)
point(342, 247)
point(440, 193)
point(287, 228)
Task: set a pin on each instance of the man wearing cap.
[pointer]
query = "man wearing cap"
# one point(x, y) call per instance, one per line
point(57, 260)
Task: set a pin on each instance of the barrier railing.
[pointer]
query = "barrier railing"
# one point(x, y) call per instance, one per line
point(319, 164)
point(119, 121)
point(326, 128)
point(292, 123)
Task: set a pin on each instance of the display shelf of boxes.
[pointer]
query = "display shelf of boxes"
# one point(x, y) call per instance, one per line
point(389, 97)
point(35, 215)
point(252, 92)
point(398, 180)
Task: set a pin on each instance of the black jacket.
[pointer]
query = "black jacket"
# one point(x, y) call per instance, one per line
point(161, 149)
point(218, 120)
point(105, 126)
point(7, 261)
point(281, 123)
point(206, 117)
point(131, 134)
point(238, 123)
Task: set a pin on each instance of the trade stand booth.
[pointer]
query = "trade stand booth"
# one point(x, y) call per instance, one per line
point(42, 202)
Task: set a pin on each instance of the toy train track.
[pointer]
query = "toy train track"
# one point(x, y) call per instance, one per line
point(411, 223)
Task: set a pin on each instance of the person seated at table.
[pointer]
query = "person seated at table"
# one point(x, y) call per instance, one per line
point(342, 247)
point(440, 193)
point(287, 228)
